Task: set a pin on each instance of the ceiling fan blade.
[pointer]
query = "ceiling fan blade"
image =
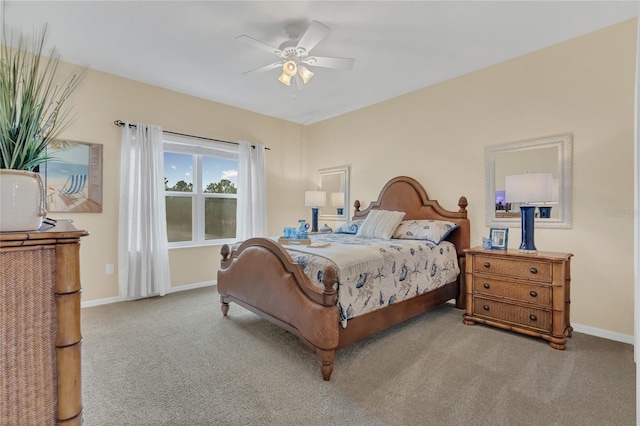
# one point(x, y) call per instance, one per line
point(326, 62)
point(265, 68)
point(259, 44)
point(313, 35)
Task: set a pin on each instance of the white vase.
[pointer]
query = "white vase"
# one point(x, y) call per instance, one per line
point(21, 201)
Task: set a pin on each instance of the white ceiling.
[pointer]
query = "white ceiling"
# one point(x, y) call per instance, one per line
point(399, 47)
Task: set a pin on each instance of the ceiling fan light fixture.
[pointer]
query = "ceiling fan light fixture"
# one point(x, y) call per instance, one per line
point(305, 74)
point(290, 68)
point(285, 79)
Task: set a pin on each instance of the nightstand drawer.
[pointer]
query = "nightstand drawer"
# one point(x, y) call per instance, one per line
point(523, 269)
point(514, 314)
point(521, 292)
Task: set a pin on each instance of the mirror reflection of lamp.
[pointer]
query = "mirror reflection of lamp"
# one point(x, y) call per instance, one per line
point(315, 199)
point(337, 200)
point(528, 188)
point(545, 210)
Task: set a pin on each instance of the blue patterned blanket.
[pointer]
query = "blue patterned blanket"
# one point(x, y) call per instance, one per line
point(407, 268)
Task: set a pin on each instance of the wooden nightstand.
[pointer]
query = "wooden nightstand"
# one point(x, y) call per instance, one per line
point(524, 292)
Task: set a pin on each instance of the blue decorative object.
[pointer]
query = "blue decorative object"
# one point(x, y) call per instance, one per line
point(545, 212)
point(486, 243)
point(326, 229)
point(289, 232)
point(303, 226)
point(314, 219)
point(315, 199)
point(528, 215)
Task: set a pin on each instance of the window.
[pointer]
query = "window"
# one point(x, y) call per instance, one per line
point(201, 192)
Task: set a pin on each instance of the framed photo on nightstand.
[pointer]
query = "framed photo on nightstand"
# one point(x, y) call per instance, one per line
point(499, 238)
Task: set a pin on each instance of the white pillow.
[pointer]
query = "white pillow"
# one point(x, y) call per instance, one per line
point(430, 230)
point(380, 224)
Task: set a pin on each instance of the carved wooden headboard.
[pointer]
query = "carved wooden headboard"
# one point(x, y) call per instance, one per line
point(405, 194)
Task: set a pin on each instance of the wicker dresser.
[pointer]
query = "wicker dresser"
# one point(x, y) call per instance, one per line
point(40, 336)
point(524, 292)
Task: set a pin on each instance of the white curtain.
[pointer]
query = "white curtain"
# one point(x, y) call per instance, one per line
point(251, 216)
point(143, 255)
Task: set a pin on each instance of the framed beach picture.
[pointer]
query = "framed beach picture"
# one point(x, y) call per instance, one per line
point(499, 238)
point(73, 177)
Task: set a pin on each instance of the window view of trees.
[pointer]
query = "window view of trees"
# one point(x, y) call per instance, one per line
point(206, 212)
point(180, 186)
point(225, 186)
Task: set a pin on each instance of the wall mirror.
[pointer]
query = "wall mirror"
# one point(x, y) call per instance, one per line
point(335, 182)
point(544, 155)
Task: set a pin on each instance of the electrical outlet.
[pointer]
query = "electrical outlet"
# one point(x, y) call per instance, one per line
point(110, 269)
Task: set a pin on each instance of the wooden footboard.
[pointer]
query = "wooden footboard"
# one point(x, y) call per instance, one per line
point(261, 276)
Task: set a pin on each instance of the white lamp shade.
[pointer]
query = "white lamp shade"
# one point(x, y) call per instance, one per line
point(290, 68)
point(315, 198)
point(528, 188)
point(305, 74)
point(555, 190)
point(285, 79)
point(337, 199)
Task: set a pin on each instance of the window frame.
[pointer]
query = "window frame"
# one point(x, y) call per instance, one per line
point(199, 149)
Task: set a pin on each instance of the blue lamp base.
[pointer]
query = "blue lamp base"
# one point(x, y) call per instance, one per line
point(314, 219)
point(545, 212)
point(527, 214)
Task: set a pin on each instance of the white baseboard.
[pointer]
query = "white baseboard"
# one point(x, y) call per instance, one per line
point(579, 328)
point(192, 286)
point(116, 299)
point(593, 331)
point(605, 334)
point(98, 302)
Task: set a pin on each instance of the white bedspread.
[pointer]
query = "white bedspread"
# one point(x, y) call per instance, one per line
point(349, 259)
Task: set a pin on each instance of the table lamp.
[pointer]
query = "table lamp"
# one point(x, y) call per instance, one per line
point(315, 199)
point(337, 201)
point(528, 188)
point(545, 210)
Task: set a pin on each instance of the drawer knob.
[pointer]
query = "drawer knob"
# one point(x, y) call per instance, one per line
point(533, 293)
point(533, 270)
point(533, 317)
point(486, 285)
point(486, 307)
point(487, 264)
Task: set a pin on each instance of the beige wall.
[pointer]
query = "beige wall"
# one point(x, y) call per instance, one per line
point(438, 135)
point(103, 98)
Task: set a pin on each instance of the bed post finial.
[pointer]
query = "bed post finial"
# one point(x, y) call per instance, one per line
point(356, 205)
point(225, 252)
point(329, 279)
point(462, 203)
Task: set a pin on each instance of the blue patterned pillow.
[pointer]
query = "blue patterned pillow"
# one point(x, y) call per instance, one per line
point(430, 230)
point(350, 227)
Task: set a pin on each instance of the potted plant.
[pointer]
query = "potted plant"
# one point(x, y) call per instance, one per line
point(32, 95)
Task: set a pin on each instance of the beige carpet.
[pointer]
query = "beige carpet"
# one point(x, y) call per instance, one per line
point(176, 361)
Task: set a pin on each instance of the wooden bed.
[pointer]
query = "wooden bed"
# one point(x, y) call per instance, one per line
point(262, 277)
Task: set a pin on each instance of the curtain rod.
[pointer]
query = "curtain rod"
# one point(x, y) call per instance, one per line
point(121, 123)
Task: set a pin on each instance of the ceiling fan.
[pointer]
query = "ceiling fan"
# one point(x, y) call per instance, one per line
point(294, 54)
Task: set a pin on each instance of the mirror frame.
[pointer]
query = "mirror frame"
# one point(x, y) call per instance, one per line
point(344, 170)
point(564, 144)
